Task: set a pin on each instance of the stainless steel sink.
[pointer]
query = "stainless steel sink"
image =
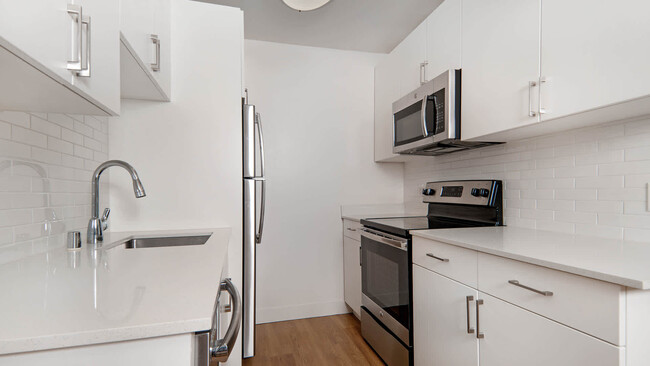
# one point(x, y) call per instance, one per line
point(166, 241)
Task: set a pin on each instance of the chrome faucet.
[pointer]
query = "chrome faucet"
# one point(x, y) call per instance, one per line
point(96, 225)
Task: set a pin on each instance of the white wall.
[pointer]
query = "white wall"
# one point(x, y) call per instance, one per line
point(317, 113)
point(46, 161)
point(589, 181)
point(188, 151)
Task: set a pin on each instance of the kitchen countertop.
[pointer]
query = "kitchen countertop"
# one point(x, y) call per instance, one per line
point(616, 261)
point(111, 294)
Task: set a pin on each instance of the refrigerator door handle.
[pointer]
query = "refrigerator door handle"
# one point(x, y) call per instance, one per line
point(258, 234)
point(258, 125)
point(260, 229)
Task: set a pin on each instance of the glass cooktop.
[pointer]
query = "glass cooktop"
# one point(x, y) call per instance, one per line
point(402, 225)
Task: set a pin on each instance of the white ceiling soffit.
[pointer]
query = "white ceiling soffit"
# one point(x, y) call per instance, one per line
point(360, 25)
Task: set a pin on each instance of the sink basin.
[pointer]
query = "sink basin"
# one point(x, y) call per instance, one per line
point(166, 241)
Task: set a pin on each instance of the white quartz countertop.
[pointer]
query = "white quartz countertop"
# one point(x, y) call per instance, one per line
point(62, 298)
point(615, 261)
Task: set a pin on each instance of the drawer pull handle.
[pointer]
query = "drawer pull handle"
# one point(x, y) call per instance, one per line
point(351, 229)
point(479, 335)
point(467, 300)
point(438, 258)
point(544, 293)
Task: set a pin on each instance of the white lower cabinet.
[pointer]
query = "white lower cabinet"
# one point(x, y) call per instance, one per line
point(352, 274)
point(514, 336)
point(444, 320)
point(514, 313)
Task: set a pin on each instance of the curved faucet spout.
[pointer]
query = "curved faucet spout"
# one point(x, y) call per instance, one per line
point(95, 232)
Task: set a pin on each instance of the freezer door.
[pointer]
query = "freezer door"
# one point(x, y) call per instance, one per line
point(248, 133)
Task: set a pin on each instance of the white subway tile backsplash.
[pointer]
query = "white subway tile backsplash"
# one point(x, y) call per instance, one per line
point(590, 181)
point(15, 118)
point(46, 161)
point(28, 137)
point(46, 127)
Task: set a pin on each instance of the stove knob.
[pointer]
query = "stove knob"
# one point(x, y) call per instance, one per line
point(484, 192)
point(428, 191)
point(475, 192)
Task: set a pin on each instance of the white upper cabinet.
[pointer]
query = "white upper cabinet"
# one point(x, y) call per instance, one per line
point(410, 56)
point(501, 57)
point(40, 29)
point(443, 38)
point(145, 49)
point(60, 56)
point(102, 81)
point(594, 53)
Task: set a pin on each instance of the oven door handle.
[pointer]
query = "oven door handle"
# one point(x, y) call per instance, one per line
point(385, 239)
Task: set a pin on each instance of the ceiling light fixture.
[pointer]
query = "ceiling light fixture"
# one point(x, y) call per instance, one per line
point(305, 5)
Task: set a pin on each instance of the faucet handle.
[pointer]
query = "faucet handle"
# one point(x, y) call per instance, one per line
point(104, 220)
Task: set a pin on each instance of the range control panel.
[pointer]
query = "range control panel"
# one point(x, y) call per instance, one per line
point(469, 192)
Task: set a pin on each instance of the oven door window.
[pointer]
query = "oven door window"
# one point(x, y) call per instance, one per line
point(408, 122)
point(385, 278)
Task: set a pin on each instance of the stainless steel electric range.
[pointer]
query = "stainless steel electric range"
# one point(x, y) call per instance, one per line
point(386, 316)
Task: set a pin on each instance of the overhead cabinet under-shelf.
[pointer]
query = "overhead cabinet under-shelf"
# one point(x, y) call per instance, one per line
point(60, 57)
point(145, 52)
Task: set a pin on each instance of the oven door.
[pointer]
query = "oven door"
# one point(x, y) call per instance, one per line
point(385, 280)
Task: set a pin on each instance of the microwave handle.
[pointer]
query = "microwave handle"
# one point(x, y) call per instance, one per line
point(423, 116)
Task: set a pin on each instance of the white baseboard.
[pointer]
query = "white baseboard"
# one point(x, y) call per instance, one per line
point(278, 314)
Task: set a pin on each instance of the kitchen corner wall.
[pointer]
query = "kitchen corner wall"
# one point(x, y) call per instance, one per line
point(589, 181)
point(317, 113)
point(46, 163)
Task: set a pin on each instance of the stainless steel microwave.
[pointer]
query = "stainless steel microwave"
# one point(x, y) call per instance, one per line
point(427, 120)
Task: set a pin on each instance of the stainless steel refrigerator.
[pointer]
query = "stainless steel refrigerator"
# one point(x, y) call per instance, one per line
point(254, 197)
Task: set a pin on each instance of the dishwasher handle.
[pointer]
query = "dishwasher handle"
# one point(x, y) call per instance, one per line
point(220, 349)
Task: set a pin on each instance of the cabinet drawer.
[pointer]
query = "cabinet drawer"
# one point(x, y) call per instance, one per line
point(452, 261)
point(351, 229)
point(591, 306)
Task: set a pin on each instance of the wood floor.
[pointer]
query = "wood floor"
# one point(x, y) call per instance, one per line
point(331, 340)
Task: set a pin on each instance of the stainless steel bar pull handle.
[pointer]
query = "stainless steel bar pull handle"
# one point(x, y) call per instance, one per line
point(479, 335)
point(541, 110)
point(531, 112)
point(470, 330)
point(76, 12)
point(423, 72)
point(85, 61)
point(156, 41)
point(438, 258)
point(220, 349)
point(543, 293)
point(351, 229)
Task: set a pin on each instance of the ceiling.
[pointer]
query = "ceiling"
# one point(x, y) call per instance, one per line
point(360, 25)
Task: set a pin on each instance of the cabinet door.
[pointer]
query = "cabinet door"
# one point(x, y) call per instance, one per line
point(41, 29)
point(501, 53)
point(386, 92)
point(162, 28)
point(137, 25)
point(440, 321)
point(103, 84)
point(443, 38)
point(409, 55)
point(514, 337)
point(352, 274)
point(593, 54)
